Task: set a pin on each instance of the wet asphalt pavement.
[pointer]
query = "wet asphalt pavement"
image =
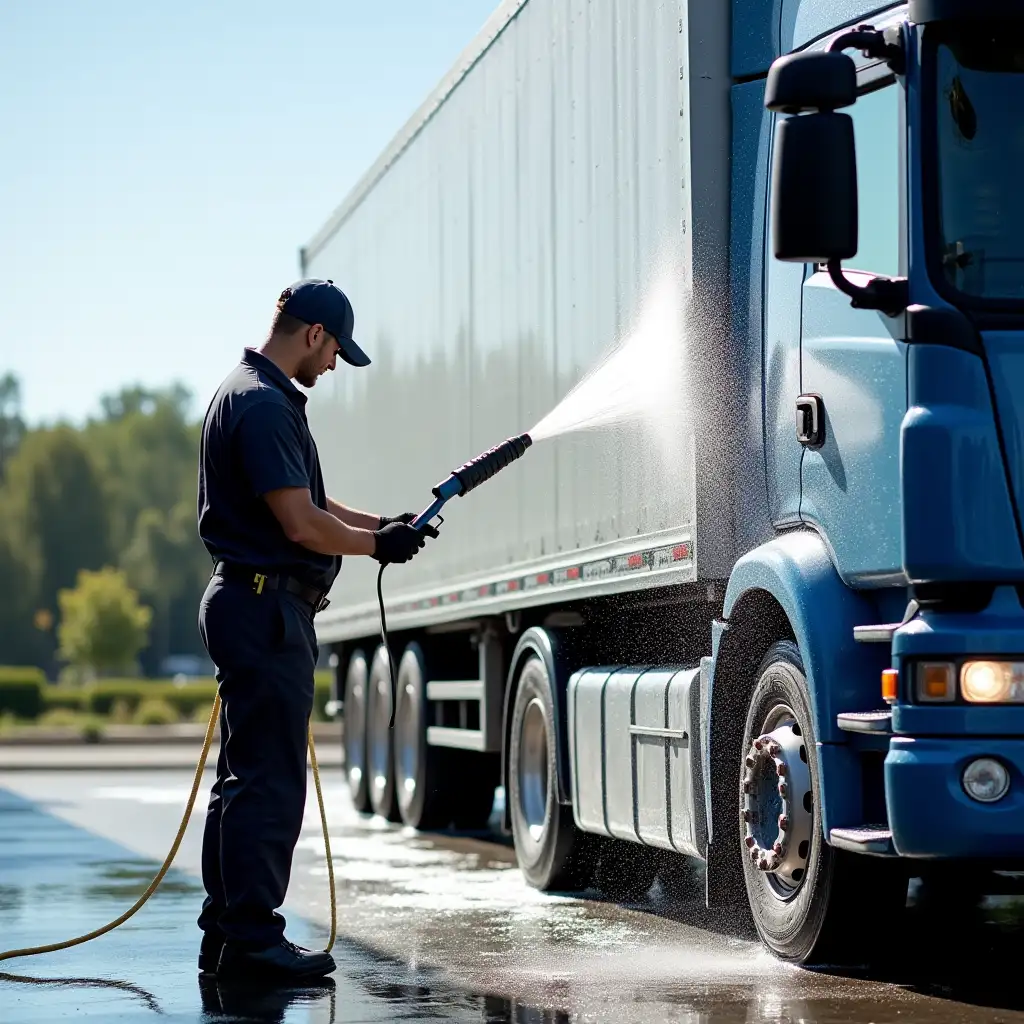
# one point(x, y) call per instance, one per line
point(432, 928)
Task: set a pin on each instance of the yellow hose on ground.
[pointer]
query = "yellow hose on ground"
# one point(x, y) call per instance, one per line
point(11, 954)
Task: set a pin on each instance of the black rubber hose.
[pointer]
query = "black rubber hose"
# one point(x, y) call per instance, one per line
point(387, 645)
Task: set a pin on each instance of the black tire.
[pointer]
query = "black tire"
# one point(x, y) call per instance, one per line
point(625, 871)
point(423, 777)
point(356, 681)
point(549, 847)
point(380, 746)
point(476, 778)
point(833, 907)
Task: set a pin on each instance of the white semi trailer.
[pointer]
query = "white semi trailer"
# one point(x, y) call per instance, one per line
point(543, 204)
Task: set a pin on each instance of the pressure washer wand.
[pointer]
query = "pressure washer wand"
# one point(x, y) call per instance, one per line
point(460, 482)
point(472, 474)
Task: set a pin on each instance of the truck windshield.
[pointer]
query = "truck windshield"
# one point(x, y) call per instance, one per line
point(980, 136)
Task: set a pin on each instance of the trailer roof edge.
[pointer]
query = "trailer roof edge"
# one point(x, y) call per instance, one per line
point(499, 20)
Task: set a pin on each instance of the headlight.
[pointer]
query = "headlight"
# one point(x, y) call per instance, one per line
point(992, 682)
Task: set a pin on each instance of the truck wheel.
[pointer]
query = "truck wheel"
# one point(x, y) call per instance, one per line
point(548, 844)
point(355, 731)
point(809, 901)
point(422, 779)
point(380, 759)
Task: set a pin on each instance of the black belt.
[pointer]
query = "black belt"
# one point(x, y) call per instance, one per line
point(261, 581)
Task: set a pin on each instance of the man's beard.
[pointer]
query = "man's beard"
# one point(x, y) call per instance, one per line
point(307, 374)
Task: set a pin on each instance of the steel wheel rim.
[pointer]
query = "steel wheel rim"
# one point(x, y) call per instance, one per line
point(407, 743)
point(533, 769)
point(355, 738)
point(379, 753)
point(777, 806)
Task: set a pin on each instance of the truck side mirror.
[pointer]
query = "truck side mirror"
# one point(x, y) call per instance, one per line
point(814, 174)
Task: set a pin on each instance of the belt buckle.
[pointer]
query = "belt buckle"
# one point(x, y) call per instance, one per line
point(322, 603)
point(257, 583)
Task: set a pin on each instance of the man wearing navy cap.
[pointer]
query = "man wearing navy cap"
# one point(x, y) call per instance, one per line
point(277, 541)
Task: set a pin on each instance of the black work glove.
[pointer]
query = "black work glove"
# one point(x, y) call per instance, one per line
point(405, 517)
point(398, 542)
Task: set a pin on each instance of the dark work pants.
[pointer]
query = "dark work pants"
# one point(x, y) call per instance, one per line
point(265, 651)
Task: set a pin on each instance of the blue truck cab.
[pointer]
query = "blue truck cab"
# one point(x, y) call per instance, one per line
point(893, 332)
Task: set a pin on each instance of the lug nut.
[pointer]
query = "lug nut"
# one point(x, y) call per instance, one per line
point(751, 843)
point(775, 749)
point(780, 768)
point(783, 790)
point(748, 787)
point(778, 848)
point(758, 744)
point(750, 762)
point(750, 817)
point(783, 822)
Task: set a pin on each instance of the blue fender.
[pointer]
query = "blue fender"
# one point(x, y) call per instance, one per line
point(842, 675)
point(543, 644)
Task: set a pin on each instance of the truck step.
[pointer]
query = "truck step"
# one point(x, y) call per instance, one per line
point(459, 739)
point(456, 689)
point(875, 840)
point(875, 722)
point(880, 634)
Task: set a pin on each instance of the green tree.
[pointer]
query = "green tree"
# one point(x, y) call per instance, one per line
point(12, 426)
point(58, 516)
point(169, 566)
point(147, 450)
point(102, 624)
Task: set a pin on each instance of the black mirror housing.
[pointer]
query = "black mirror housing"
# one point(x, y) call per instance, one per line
point(819, 80)
point(814, 189)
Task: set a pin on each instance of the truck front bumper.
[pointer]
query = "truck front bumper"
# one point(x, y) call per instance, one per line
point(930, 814)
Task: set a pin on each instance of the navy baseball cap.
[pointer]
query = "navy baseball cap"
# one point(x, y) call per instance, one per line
point(322, 302)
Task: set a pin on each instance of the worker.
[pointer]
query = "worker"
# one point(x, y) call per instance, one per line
point(277, 541)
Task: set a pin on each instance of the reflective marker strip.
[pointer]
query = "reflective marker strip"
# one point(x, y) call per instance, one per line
point(622, 565)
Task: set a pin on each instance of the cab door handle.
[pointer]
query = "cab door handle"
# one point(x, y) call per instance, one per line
point(810, 421)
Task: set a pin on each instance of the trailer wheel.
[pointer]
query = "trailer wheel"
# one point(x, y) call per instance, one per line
point(548, 845)
point(422, 773)
point(355, 731)
point(810, 903)
point(380, 759)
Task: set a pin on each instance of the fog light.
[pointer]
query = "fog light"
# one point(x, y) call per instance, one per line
point(936, 682)
point(986, 780)
point(992, 682)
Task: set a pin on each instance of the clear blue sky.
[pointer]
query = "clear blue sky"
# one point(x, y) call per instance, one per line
point(162, 164)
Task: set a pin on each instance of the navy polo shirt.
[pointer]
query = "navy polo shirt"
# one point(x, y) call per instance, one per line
point(256, 439)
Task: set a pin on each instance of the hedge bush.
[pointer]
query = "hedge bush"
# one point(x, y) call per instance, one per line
point(25, 694)
point(156, 711)
point(21, 691)
point(65, 698)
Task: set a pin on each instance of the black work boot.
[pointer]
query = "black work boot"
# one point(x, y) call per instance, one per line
point(285, 961)
point(209, 952)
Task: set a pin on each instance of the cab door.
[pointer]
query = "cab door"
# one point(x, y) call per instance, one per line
point(853, 361)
